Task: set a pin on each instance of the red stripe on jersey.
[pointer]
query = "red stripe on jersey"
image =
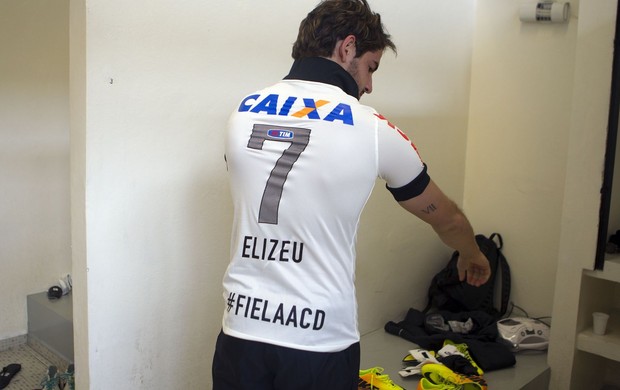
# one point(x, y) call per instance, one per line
point(399, 132)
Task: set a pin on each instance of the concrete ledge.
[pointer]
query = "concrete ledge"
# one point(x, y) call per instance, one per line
point(50, 327)
point(382, 349)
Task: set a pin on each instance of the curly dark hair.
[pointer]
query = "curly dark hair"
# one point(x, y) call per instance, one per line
point(333, 20)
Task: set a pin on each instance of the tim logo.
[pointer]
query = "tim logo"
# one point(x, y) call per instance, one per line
point(280, 134)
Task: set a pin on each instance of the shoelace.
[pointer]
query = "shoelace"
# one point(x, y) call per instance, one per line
point(384, 378)
point(376, 373)
point(453, 381)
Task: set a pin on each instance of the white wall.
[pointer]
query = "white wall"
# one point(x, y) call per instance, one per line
point(522, 88)
point(34, 154)
point(587, 137)
point(151, 205)
point(536, 144)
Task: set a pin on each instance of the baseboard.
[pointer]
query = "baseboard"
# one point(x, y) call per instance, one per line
point(12, 342)
point(50, 327)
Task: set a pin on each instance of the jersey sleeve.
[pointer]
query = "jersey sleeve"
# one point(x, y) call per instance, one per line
point(399, 162)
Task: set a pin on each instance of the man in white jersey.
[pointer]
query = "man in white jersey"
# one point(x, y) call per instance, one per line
point(303, 156)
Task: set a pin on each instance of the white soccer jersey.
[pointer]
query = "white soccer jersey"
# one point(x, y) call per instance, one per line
point(303, 158)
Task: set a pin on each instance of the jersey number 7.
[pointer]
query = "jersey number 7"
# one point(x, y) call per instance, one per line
point(298, 139)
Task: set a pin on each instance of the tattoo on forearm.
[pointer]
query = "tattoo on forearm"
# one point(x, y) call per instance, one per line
point(429, 209)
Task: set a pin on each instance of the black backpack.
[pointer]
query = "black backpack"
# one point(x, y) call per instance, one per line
point(447, 292)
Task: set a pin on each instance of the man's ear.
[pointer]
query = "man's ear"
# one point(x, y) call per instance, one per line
point(345, 50)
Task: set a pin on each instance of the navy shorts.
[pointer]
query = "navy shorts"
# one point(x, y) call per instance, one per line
point(249, 365)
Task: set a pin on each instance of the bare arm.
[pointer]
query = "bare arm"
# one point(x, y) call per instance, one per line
point(452, 226)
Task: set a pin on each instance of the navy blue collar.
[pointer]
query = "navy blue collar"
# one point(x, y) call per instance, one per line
point(326, 71)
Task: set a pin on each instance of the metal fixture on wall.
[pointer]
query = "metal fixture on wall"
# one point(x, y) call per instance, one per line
point(545, 11)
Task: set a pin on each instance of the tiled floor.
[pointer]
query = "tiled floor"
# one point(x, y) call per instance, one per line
point(34, 367)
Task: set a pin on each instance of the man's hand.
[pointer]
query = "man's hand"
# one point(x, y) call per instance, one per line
point(475, 269)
